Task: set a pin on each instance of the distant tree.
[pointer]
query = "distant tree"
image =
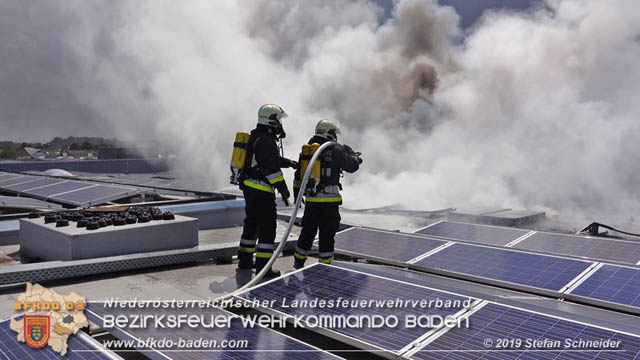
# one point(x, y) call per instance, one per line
point(10, 154)
point(74, 146)
point(86, 145)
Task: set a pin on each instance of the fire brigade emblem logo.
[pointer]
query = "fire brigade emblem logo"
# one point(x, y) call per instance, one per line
point(36, 330)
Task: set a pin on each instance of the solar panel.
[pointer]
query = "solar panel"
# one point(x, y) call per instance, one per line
point(593, 248)
point(94, 195)
point(77, 348)
point(484, 234)
point(8, 177)
point(8, 201)
point(150, 180)
point(15, 180)
point(55, 189)
point(496, 322)
point(262, 343)
point(616, 284)
point(541, 271)
point(333, 284)
point(33, 183)
point(384, 245)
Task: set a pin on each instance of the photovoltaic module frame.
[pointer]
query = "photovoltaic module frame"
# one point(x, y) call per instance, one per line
point(610, 286)
point(330, 283)
point(63, 190)
point(527, 335)
point(624, 251)
point(475, 233)
point(389, 247)
point(516, 269)
point(261, 342)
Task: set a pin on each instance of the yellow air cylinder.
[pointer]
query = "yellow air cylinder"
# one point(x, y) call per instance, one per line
point(304, 159)
point(315, 171)
point(239, 155)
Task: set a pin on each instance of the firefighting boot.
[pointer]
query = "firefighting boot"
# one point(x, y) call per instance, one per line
point(245, 260)
point(261, 263)
point(298, 263)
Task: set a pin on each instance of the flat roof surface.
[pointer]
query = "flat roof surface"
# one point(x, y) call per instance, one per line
point(192, 281)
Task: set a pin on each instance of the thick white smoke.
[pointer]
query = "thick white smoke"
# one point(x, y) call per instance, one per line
point(542, 114)
point(535, 110)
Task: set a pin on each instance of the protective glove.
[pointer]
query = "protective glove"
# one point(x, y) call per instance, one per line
point(284, 191)
point(349, 149)
point(290, 163)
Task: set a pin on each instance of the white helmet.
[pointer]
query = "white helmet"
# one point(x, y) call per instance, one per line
point(327, 129)
point(270, 115)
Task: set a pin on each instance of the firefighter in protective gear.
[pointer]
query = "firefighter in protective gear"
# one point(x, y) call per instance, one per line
point(321, 212)
point(259, 179)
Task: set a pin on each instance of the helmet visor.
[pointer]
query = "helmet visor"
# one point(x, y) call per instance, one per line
point(333, 134)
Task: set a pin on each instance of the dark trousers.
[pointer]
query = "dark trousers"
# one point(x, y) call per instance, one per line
point(259, 223)
point(322, 217)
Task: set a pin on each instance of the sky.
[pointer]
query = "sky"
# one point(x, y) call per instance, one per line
point(471, 10)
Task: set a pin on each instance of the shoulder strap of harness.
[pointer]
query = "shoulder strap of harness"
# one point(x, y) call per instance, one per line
point(248, 160)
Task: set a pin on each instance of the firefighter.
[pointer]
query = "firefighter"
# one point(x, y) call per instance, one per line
point(322, 200)
point(259, 179)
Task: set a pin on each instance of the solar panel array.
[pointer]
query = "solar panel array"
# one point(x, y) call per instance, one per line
point(561, 244)
point(487, 321)
point(594, 248)
point(540, 271)
point(384, 245)
point(484, 234)
point(60, 187)
point(491, 265)
point(70, 192)
point(330, 283)
point(97, 194)
point(497, 322)
point(77, 348)
point(616, 284)
point(607, 285)
point(160, 180)
point(262, 343)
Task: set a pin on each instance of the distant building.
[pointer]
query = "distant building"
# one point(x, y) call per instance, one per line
point(31, 151)
point(81, 154)
point(46, 154)
point(118, 153)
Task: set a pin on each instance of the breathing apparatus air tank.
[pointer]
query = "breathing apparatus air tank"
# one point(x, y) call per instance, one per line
point(316, 169)
point(306, 155)
point(239, 155)
point(304, 159)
